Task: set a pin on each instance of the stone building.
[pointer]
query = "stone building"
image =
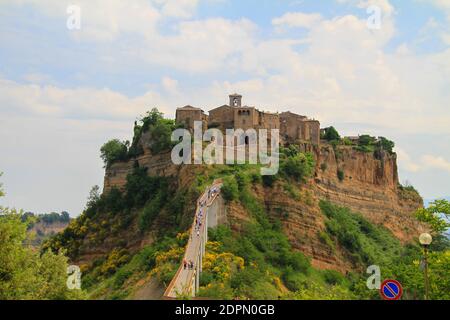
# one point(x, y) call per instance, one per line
point(293, 127)
point(188, 114)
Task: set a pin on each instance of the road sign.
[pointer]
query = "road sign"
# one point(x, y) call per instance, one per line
point(391, 290)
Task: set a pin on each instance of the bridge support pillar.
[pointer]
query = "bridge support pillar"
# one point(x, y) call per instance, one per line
point(201, 256)
point(197, 276)
point(206, 228)
point(194, 289)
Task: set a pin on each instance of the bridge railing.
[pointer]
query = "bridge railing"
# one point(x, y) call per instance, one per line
point(188, 284)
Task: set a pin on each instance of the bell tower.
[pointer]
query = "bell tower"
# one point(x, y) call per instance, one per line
point(235, 100)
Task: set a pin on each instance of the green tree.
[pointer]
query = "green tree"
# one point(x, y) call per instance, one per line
point(24, 273)
point(386, 144)
point(331, 134)
point(161, 133)
point(366, 140)
point(151, 118)
point(114, 150)
point(94, 196)
point(433, 215)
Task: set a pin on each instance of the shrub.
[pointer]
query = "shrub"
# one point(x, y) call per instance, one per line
point(299, 166)
point(386, 144)
point(292, 191)
point(150, 119)
point(140, 187)
point(114, 150)
point(346, 141)
point(340, 175)
point(298, 261)
point(291, 151)
point(294, 281)
point(150, 212)
point(269, 180)
point(161, 135)
point(230, 189)
point(206, 278)
point(332, 277)
point(408, 192)
point(331, 134)
point(113, 201)
point(364, 241)
point(325, 239)
point(323, 167)
point(116, 258)
point(366, 140)
point(256, 177)
point(243, 180)
point(246, 278)
point(120, 277)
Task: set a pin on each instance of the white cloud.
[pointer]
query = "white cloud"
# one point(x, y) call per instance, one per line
point(74, 103)
point(442, 4)
point(405, 160)
point(297, 19)
point(170, 85)
point(178, 8)
point(200, 45)
point(339, 72)
point(106, 21)
point(436, 162)
point(424, 163)
point(386, 7)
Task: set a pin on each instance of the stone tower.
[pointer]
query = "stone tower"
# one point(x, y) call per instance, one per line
point(235, 100)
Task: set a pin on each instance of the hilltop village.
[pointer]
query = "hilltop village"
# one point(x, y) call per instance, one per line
point(293, 127)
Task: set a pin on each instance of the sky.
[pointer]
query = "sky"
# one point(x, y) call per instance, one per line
point(65, 90)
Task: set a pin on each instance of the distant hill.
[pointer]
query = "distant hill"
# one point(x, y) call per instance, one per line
point(46, 225)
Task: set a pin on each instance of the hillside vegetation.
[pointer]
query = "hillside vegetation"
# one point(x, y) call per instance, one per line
point(138, 232)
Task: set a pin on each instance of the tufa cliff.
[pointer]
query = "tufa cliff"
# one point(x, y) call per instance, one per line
point(365, 182)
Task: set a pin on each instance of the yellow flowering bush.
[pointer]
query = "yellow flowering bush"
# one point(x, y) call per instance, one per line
point(221, 265)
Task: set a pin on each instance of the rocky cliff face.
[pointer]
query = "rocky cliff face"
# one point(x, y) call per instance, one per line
point(368, 185)
point(43, 230)
point(363, 182)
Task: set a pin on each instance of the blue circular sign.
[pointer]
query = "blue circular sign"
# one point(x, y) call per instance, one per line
point(391, 290)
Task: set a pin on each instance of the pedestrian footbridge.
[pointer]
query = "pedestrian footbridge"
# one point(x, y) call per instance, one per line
point(187, 279)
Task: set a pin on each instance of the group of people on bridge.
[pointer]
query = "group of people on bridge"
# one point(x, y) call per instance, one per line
point(188, 264)
point(212, 191)
point(185, 280)
point(199, 216)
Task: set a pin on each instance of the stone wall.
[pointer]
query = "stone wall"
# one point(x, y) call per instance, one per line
point(245, 118)
point(311, 131)
point(217, 213)
point(187, 115)
point(222, 117)
point(268, 120)
point(291, 126)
